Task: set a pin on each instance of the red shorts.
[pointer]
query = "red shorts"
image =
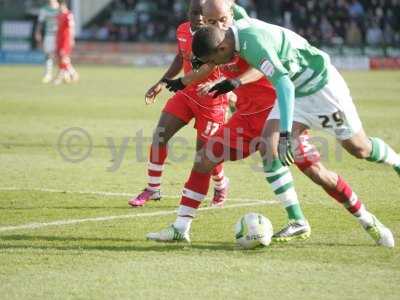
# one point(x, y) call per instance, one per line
point(240, 135)
point(207, 119)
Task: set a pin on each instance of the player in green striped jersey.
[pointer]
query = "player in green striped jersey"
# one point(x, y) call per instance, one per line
point(302, 72)
point(45, 35)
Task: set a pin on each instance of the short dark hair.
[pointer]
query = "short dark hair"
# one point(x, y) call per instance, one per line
point(206, 41)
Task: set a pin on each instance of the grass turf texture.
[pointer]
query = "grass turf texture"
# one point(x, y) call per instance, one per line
point(104, 259)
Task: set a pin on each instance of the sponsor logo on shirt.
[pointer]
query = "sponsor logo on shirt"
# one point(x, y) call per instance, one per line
point(267, 68)
point(182, 39)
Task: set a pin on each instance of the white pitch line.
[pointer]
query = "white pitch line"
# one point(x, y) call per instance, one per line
point(45, 190)
point(129, 216)
point(101, 193)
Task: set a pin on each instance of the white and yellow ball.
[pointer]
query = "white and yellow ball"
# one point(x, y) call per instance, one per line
point(253, 230)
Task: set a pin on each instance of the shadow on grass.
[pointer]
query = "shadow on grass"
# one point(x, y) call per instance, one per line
point(140, 245)
point(92, 244)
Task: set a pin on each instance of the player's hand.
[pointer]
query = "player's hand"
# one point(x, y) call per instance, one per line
point(152, 93)
point(226, 86)
point(285, 148)
point(174, 85)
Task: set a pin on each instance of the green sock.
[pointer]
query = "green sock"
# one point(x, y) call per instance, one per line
point(397, 169)
point(281, 181)
point(383, 153)
point(294, 212)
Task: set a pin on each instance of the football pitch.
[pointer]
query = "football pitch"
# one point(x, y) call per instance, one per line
point(70, 157)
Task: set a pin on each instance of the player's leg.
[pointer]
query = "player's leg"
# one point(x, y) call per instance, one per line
point(49, 45)
point(308, 161)
point(48, 76)
point(193, 194)
point(213, 153)
point(72, 73)
point(332, 110)
point(207, 123)
point(63, 75)
point(221, 182)
point(281, 181)
point(168, 125)
point(353, 137)
point(372, 149)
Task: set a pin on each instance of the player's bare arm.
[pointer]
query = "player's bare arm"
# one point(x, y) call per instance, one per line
point(199, 75)
point(229, 85)
point(38, 34)
point(192, 77)
point(252, 75)
point(174, 69)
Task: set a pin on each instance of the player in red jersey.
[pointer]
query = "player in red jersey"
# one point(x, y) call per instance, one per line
point(235, 140)
point(65, 44)
point(208, 113)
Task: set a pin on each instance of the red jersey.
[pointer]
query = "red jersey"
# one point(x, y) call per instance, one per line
point(253, 97)
point(65, 29)
point(184, 36)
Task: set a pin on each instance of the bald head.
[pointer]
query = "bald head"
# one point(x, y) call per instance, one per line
point(218, 13)
point(217, 5)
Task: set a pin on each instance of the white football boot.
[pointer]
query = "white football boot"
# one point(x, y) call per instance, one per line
point(294, 230)
point(169, 234)
point(380, 233)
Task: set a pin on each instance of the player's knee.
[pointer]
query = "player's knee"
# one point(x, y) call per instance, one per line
point(161, 137)
point(306, 154)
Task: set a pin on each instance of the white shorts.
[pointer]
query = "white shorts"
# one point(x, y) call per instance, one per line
point(331, 109)
point(49, 44)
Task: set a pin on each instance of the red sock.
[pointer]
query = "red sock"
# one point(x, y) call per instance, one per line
point(194, 192)
point(345, 195)
point(158, 154)
point(218, 177)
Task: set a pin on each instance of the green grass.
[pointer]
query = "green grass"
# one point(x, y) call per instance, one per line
point(111, 259)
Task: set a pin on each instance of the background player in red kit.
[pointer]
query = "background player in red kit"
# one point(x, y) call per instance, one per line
point(65, 44)
point(185, 105)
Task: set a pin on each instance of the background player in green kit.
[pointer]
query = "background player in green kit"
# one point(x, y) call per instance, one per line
point(45, 35)
point(302, 72)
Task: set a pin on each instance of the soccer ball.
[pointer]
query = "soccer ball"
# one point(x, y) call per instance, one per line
point(253, 230)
